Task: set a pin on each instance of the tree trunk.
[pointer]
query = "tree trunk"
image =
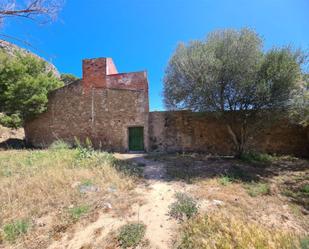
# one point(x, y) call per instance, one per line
point(239, 142)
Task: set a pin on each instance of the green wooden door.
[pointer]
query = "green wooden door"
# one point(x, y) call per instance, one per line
point(136, 138)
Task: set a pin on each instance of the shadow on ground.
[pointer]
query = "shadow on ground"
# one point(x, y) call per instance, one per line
point(290, 175)
point(14, 144)
point(195, 166)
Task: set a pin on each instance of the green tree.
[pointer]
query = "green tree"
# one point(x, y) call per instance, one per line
point(68, 78)
point(229, 75)
point(24, 85)
point(299, 104)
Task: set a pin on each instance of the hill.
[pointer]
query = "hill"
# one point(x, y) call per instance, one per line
point(12, 49)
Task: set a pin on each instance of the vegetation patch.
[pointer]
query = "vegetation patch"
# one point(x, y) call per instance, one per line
point(46, 182)
point(297, 189)
point(257, 158)
point(239, 173)
point(77, 212)
point(225, 180)
point(256, 189)
point(15, 229)
point(129, 168)
point(185, 207)
point(131, 235)
point(218, 230)
point(304, 242)
point(59, 145)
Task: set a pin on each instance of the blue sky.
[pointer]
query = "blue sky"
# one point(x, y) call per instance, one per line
point(142, 34)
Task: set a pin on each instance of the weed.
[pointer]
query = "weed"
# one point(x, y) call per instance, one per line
point(131, 235)
point(256, 189)
point(288, 158)
point(254, 157)
point(84, 151)
point(237, 173)
point(77, 212)
point(225, 180)
point(15, 229)
point(296, 209)
point(305, 189)
point(59, 145)
point(185, 207)
point(304, 242)
point(297, 188)
point(87, 183)
point(218, 230)
point(129, 168)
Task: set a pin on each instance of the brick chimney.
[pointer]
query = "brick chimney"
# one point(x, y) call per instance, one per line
point(96, 70)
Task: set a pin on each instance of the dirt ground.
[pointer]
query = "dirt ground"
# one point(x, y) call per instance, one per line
point(284, 206)
point(163, 177)
point(155, 195)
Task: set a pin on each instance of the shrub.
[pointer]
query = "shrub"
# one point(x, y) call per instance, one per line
point(59, 145)
point(225, 180)
point(131, 235)
point(297, 190)
point(13, 230)
point(87, 182)
point(129, 168)
point(184, 207)
point(220, 231)
point(256, 189)
point(254, 157)
point(84, 151)
point(305, 189)
point(238, 173)
point(77, 212)
point(304, 242)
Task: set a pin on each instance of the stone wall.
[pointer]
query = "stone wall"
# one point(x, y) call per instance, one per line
point(102, 115)
point(202, 132)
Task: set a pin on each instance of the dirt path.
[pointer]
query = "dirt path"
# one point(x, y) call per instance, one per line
point(156, 193)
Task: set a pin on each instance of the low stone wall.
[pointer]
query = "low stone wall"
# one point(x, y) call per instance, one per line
point(202, 132)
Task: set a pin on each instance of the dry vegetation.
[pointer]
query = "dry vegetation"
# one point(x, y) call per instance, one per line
point(44, 192)
point(257, 202)
point(49, 197)
point(223, 230)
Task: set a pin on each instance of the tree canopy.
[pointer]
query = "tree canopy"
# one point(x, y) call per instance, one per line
point(25, 82)
point(229, 72)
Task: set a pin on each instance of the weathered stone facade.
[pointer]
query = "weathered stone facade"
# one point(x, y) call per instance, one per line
point(100, 107)
point(202, 132)
point(104, 104)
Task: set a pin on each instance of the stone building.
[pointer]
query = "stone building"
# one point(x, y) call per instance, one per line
point(112, 110)
point(109, 108)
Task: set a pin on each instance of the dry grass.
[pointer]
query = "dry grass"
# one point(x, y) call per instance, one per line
point(270, 210)
point(219, 230)
point(47, 183)
point(253, 212)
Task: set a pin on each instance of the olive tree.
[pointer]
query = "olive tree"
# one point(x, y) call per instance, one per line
point(299, 104)
point(229, 75)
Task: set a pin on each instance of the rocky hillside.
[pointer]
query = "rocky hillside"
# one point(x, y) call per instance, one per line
point(13, 49)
